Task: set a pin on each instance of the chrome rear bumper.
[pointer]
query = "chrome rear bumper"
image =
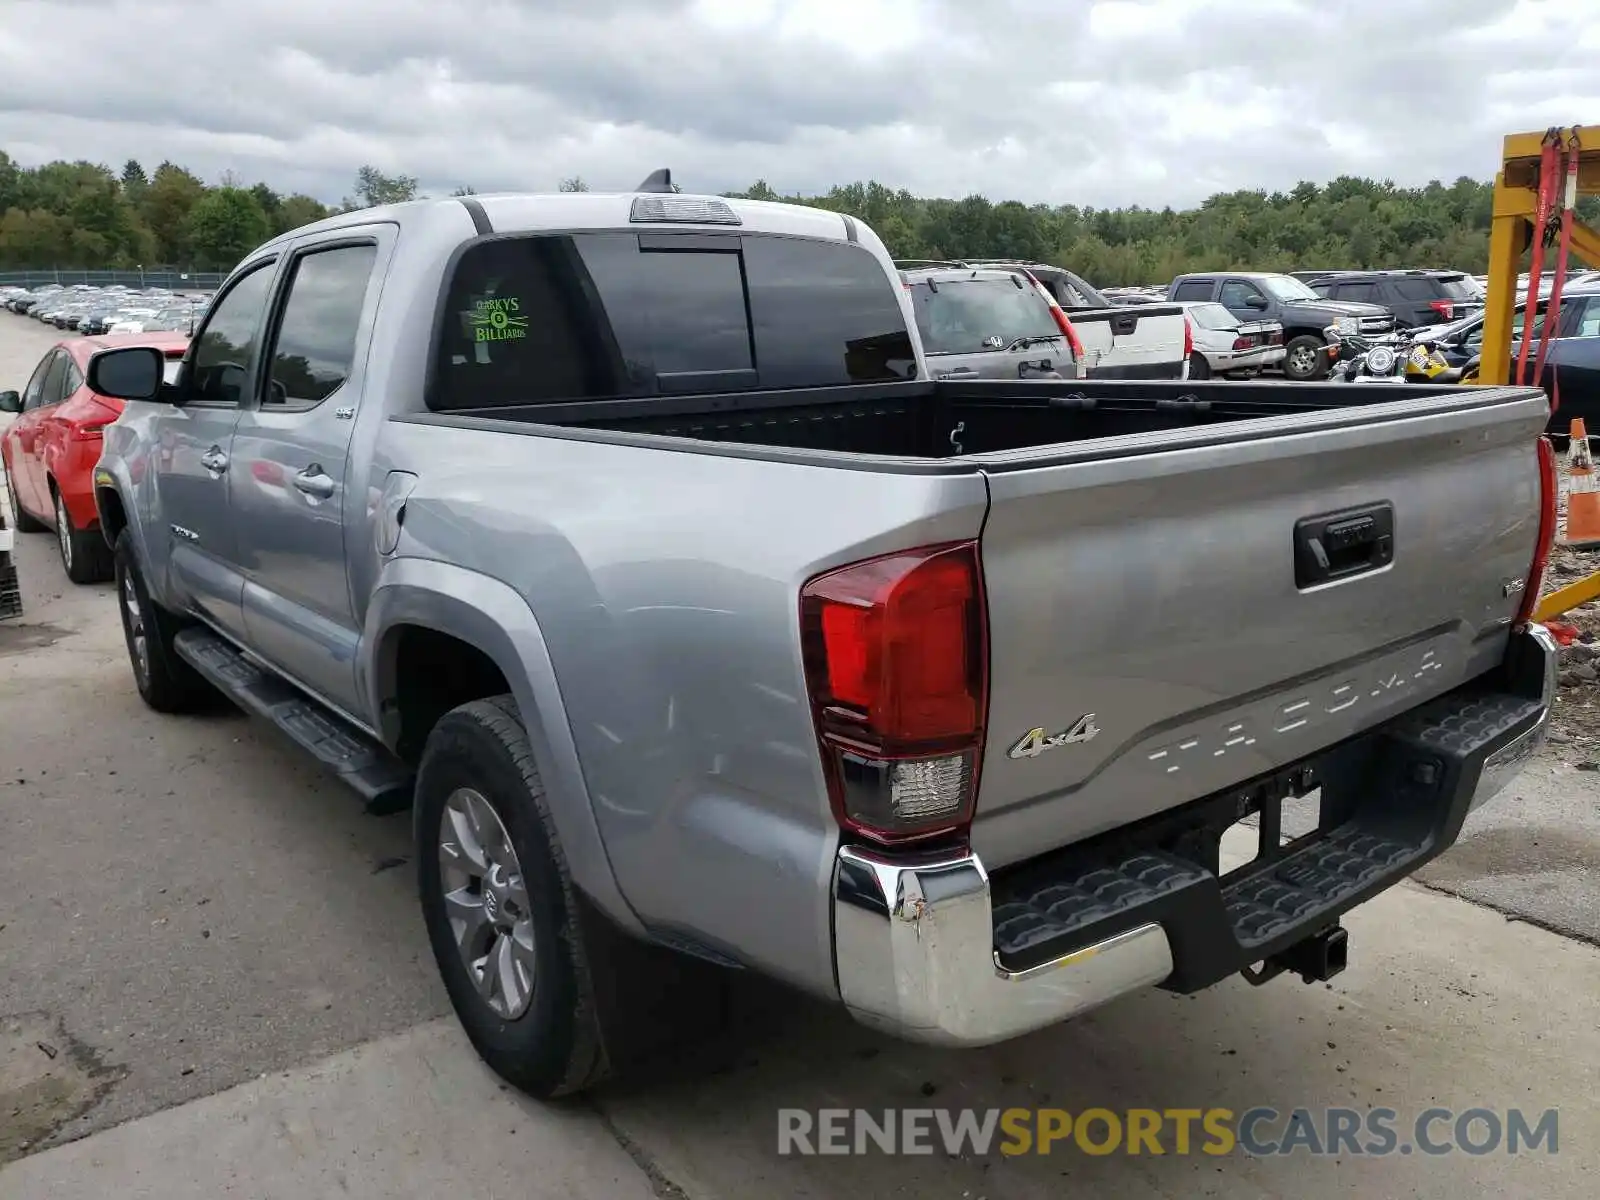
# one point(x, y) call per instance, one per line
point(915, 938)
point(914, 945)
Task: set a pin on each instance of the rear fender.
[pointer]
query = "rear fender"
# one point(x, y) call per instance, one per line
point(489, 615)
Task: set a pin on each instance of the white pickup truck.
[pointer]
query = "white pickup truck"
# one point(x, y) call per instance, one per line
point(1120, 341)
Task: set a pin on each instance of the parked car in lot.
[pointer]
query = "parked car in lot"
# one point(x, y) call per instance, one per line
point(1118, 342)
point(631, 540)
point(987, 323)
point(50, 448)
point(1304, 315)
point(1416, 298)
point(1225, 345)
point(1572, 364)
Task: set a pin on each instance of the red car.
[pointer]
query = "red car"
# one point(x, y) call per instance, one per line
point(51, 448)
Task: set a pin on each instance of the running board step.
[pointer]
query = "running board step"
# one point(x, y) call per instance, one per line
point(376, 775)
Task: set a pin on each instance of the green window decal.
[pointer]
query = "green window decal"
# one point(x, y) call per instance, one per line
point(494, 319)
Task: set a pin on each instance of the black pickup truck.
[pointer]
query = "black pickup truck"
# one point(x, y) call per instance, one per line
point(1256, 296)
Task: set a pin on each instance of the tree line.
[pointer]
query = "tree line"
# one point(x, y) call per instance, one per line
point(86, 215)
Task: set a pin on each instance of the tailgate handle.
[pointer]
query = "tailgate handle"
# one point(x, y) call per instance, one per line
point(1339, 545)
point(1124, 323)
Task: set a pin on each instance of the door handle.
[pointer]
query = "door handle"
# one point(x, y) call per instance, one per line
point(214, 460)
point(314, 481)
point(1338, 545)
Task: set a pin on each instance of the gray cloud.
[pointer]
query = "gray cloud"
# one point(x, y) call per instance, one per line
point(1117, 102)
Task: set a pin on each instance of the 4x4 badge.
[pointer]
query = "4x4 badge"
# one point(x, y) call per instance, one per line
point(1036, 741)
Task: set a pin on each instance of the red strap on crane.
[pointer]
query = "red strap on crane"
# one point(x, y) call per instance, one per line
point(1552, 319)
point(1549, 170)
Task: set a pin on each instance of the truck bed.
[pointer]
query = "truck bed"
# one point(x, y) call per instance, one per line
point(951, 419)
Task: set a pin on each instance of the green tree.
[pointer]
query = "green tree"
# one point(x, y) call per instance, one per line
point(574, 184)
point(225, 225)
point(296, 211)
point(373, 188)
point(171, 197)
point(134, 181)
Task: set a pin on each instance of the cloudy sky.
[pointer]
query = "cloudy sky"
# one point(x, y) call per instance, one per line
point(1098, 102)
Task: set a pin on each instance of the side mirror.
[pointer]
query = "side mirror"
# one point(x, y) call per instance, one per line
point(131, 373)
point(1258, 303)
point(10, 402)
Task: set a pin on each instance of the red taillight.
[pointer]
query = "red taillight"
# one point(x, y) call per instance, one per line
point(896, 661)
point(1549, 494)
point(1445, 308)
point(1242, 343)
point(1188, 339)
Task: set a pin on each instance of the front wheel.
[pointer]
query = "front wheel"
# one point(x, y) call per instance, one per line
point(84, 553)
point(1305, 358)
point(165, 682)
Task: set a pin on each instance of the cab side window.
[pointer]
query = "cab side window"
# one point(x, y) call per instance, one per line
point(226, 347)
point(316, 340)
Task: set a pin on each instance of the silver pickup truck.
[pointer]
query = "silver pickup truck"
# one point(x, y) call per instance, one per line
point(627, 539)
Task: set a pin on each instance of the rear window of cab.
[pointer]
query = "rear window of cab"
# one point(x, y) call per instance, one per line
point(545, 318)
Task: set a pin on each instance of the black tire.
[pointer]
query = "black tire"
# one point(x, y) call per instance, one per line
point(600, 999)
point(165, 682)
point(25, 523)
point(1300, 350)
point(1199, 367)
point(84, 553)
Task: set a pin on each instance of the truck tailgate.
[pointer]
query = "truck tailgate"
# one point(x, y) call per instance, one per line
point(1153, 641)
point(1139, 341)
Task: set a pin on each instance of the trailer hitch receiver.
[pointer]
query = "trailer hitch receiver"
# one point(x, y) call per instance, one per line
point(1315, 959)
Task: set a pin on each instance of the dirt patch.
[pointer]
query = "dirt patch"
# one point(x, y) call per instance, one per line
point(15, 638)
point(47, 1078)
point(1575, 722)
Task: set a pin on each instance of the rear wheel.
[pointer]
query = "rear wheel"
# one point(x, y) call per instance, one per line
point(25, 523)
point(1199, 368)
point(551, 996)
point(84, 552)
point(1305, 358)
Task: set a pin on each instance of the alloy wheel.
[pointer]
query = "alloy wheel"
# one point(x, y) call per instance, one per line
point(133, 624)
point(486, 900)
point(1303, 361)
point(64, 533)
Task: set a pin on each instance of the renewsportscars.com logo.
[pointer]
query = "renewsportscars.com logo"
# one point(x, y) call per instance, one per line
point(1258, 1132)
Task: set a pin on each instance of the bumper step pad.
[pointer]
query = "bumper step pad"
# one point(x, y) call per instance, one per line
point(1391, 800)
point(382, 780)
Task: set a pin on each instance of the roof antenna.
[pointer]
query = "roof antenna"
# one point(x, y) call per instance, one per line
point(658, 181)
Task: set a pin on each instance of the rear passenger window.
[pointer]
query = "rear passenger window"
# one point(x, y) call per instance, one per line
point(316, 340)
point(1418, 289)
point(1364, 292)
point(1193, 289)
point(549, 318)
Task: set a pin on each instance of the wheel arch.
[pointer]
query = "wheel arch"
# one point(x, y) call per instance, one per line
point(423, 610)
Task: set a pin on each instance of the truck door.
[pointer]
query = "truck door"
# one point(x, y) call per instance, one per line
point(291, 455)
point(193, 464)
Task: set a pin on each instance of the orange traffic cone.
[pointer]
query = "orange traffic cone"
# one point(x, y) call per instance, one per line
point(1582, 526)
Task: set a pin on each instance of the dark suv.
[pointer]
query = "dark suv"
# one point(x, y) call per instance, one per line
point(1415, 297)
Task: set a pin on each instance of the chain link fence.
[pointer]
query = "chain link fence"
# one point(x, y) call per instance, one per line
point(163, 277)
